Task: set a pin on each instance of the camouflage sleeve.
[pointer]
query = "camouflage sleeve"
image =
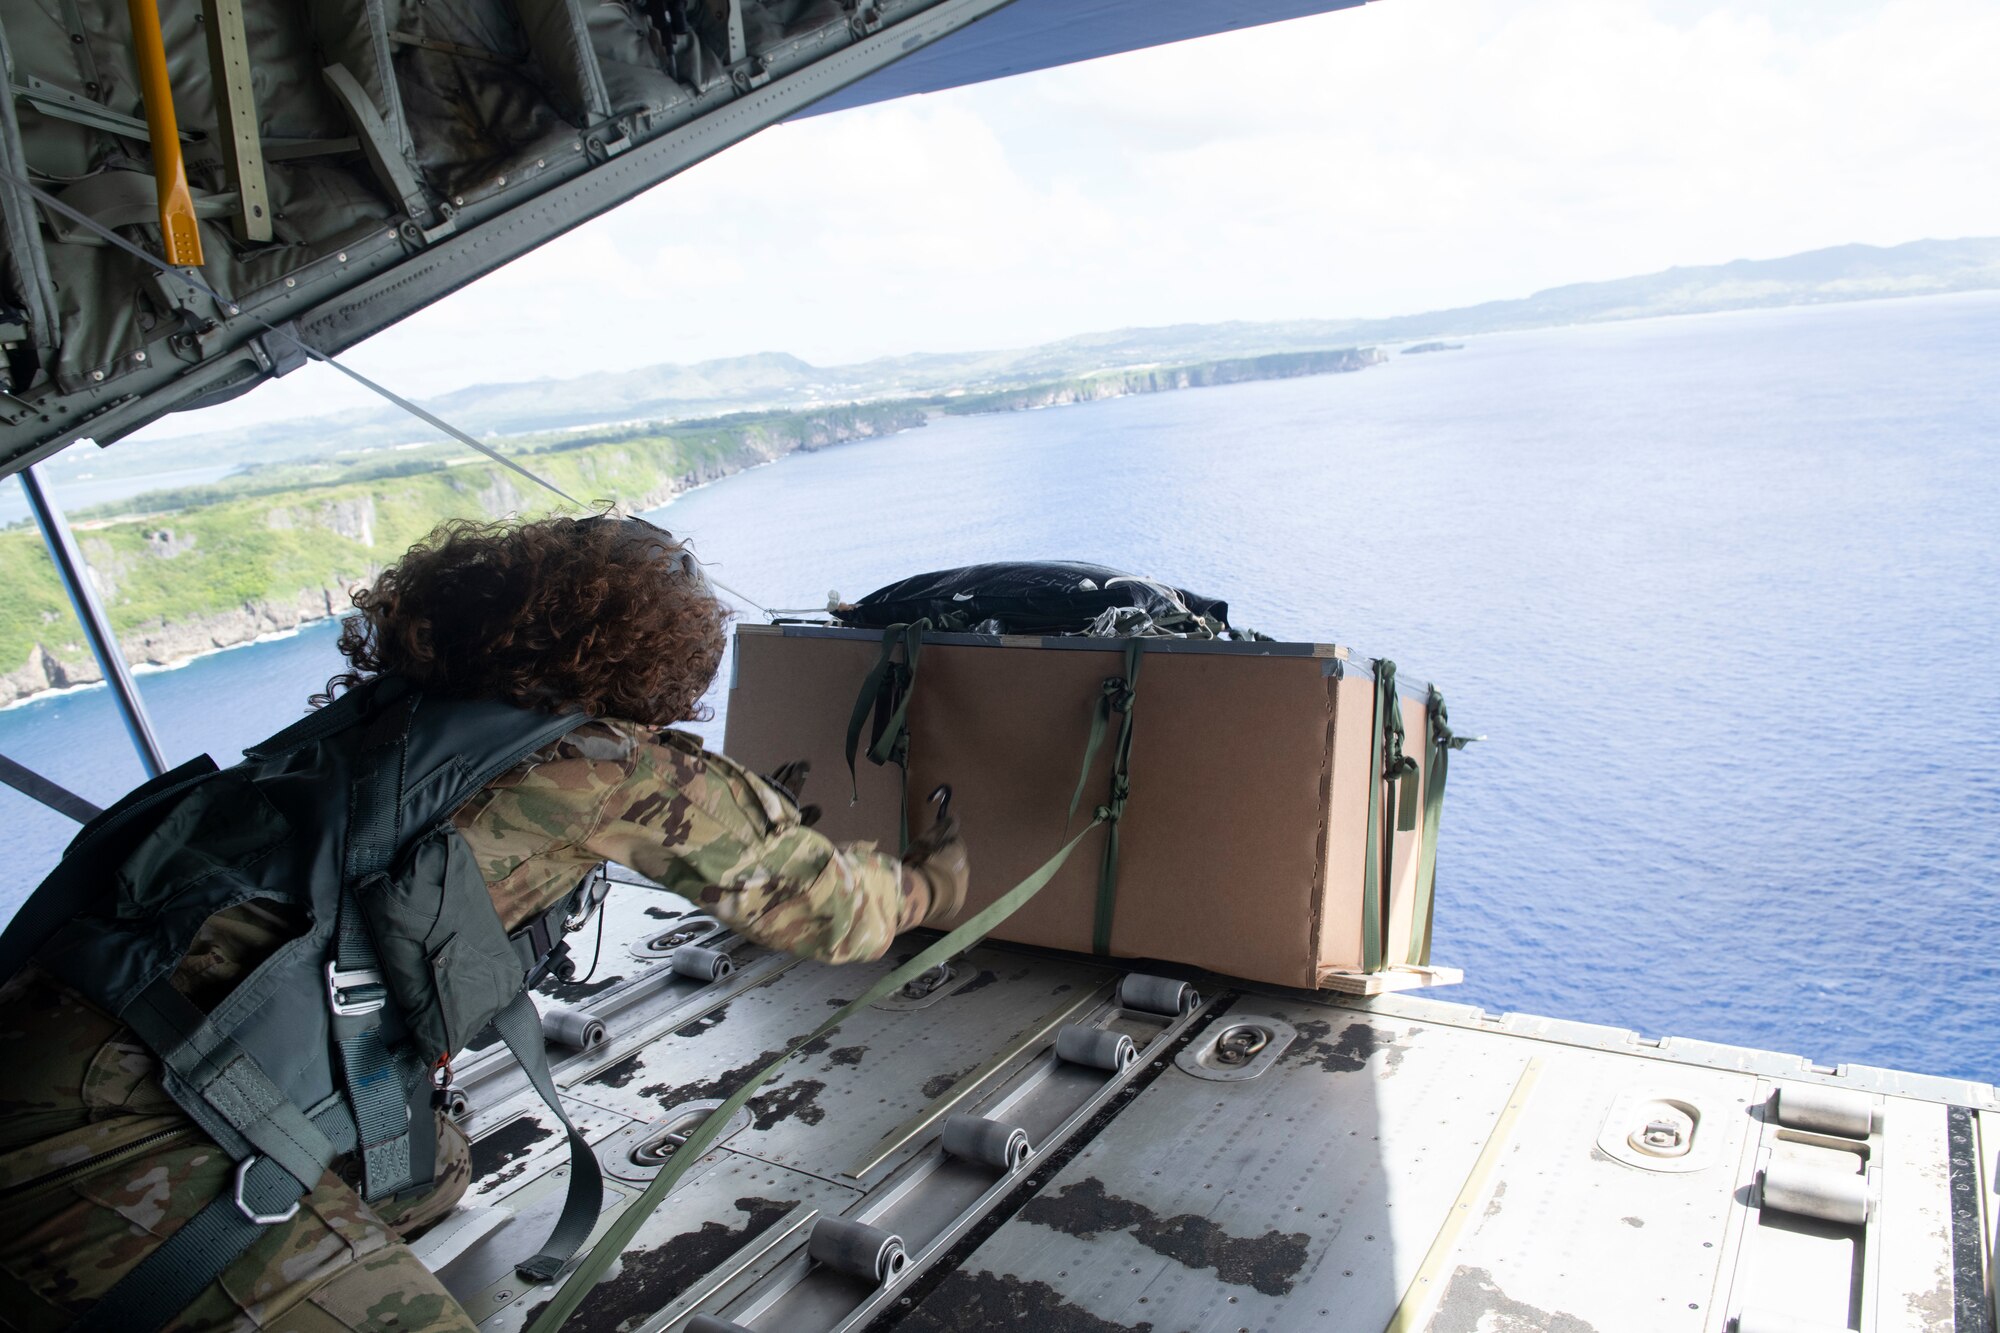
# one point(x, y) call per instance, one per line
point(714, 832)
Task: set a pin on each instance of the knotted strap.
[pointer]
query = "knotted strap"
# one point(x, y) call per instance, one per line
point(1437, 751)
point(885, 694)
point(1117, 696)
point(1399, 770)
point(1390, 773)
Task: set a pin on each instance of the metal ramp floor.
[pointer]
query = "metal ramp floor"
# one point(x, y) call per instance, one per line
point(1265, 1161)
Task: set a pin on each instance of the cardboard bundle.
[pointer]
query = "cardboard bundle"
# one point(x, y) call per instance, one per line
point(1243, 845)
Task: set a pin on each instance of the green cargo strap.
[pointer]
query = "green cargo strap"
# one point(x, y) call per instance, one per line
point(1398, 769)
point(1380, 853)
point(520, 1026)
point(619, 1234)
point(1117, 696)
point(1437, 751)
point(887, 681)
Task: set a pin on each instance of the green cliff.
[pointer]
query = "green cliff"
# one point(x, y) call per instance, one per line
point(185, 572)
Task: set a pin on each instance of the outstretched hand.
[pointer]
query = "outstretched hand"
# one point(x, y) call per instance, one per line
point(938, 855)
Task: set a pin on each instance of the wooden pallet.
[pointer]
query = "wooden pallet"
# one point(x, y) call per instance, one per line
point(1398, 976)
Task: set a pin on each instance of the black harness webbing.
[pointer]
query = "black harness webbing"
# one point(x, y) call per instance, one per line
point(235, 1103)
point(382, 1118)
point(226, 1093)
point(520, 1026)
point(168, 1280)
point(355, 989)
point(38, 788)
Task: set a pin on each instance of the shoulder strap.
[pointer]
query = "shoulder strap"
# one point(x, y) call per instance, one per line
point(323, 722)
point(356, 990)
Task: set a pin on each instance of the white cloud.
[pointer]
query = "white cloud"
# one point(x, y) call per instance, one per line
point(1411, 154)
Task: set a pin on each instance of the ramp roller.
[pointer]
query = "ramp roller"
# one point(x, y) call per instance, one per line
point(573, 1028)
point(1156, 995)
point(856, 1249)
point(1832, 1196)
point(701, 964)
point(1080, 1045)
point(974, 1138)
point(1824, 1110)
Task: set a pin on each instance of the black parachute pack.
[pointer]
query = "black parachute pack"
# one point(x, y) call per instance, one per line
point(335, 1044)
point(1042, 597)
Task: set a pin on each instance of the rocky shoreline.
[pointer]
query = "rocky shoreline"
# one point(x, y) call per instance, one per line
point(161, 643)
point(1166, 379)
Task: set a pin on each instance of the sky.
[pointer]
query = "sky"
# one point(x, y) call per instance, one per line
point(1405, 156)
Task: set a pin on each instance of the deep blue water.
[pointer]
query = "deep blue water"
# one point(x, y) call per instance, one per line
point(1721, 591)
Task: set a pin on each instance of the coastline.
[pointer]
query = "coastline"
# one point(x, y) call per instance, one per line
point(161, 668)
point(166, 645)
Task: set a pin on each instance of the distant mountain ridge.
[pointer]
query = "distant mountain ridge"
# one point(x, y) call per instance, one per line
point(769, 380)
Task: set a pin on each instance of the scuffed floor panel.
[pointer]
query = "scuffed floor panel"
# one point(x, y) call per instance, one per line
point(1270, 1161)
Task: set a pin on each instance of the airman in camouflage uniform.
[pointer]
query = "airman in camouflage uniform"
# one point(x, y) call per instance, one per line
point(98, 1165)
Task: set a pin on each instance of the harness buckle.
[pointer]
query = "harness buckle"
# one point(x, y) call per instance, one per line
point(340, 984)
point(245, 1208)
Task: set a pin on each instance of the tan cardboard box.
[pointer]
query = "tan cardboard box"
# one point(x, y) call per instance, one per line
point(1243, 843)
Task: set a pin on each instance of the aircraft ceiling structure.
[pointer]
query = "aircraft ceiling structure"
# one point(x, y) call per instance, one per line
point(348, 162)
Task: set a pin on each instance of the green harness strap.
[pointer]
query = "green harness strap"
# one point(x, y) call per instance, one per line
point(1389, 768)
point(1117, 696)
point(619, 1234)
point(888, 680)
point(1437, 751)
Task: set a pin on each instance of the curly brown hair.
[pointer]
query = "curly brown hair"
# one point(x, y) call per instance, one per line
point(605, 616)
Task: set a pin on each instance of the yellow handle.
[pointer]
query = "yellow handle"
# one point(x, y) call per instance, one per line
point(177, 221)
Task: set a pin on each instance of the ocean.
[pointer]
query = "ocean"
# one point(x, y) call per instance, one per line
point(1719, 590)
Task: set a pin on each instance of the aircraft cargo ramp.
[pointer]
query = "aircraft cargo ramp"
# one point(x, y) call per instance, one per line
point(1254, 1159)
